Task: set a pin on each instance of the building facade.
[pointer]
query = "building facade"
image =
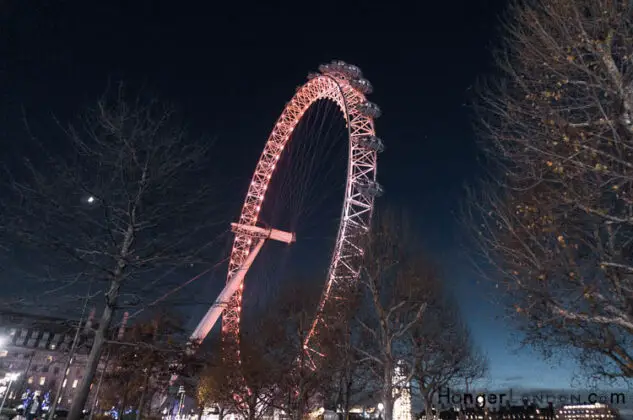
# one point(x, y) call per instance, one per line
point(587, 411)
point(37, 351)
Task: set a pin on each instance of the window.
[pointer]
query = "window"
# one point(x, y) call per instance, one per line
point(56, 370)
point(49, 359)
point(64, 384)
point(42, 380)
point(30, 380)
point(45, 369)
point(75, 382)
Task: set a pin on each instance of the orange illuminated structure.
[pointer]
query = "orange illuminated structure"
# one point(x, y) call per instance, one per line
point(342, 84)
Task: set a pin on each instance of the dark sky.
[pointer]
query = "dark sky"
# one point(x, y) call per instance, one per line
point(232, 65)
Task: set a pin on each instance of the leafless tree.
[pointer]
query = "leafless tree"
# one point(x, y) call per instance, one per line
point(143, 360)
point(556, 224)
point(350, 380)
point(397, 283)
point(297, 383)
point(123, 204)
point(249, 388)
point(444, 352)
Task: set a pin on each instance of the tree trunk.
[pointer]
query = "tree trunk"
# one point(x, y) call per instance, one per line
point(200, 411)
point(60, 387)
point(347, 396)
point(428, 407)
point(95, 354)
point(388, 403)
point(296, 415)
point(123, 404)
point(298, 411)
point(387, 391)
point(221, 413)
point(141, 401)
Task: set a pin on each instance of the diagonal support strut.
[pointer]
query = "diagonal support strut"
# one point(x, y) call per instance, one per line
point(214, 312)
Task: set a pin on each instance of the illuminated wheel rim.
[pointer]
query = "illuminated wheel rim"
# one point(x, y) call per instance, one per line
point(340, 83)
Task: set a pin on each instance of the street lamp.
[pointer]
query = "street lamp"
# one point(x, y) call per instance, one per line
point(11, 377)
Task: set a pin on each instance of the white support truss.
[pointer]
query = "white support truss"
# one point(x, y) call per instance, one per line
point(342, 84)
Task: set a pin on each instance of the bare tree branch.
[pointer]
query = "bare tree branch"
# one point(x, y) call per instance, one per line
point(119, 203)
point(556, 224)
point(397, 285)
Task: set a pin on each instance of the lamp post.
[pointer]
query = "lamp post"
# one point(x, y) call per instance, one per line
point(12, 377)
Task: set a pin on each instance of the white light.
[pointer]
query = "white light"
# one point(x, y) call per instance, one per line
point(381, 406)
point(402, 405)
point(90, 200)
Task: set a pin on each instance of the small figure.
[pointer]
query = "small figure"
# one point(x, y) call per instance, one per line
point(34, 409)
point(20, 415)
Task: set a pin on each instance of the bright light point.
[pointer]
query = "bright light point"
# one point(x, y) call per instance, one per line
point(381, 406)
point(90, 199)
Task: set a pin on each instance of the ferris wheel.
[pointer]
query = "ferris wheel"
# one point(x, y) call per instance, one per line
point(343, 85)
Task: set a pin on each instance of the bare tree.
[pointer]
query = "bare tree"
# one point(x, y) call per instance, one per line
point(397, 283)
point(299, 377)
point(250, 385)
point(556, 225)
point(143, 360)
point(121, 205)
point(212, 385)
point(444, 352)
point(349, 380)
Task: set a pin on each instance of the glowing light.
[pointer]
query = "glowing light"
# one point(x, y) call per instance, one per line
point(90, 200)
point(357, 208)
point(402, 405)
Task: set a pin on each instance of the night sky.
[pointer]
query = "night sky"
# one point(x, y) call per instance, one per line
point(231, 66)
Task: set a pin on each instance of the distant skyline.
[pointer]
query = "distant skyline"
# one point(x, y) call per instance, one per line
point(231, 69)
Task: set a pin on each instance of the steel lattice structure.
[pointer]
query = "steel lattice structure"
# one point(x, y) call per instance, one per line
point(343, 84)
